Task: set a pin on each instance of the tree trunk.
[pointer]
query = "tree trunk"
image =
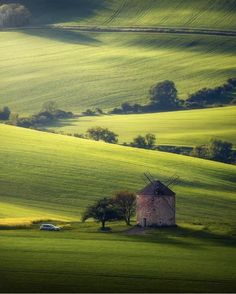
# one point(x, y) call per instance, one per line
point(103, 224)
point(127, 220)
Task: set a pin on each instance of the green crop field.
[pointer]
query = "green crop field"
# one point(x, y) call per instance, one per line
point(52, 178)
point(62, 175)
point(48, 176)
point(179, 128)
point(80, 70)
point(82, 260)
point(183, 13)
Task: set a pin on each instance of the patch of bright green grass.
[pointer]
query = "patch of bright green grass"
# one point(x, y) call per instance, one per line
point(184, 128)
point(62, 175)
point(80, 70)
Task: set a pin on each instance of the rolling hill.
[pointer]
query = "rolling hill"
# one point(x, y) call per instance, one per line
point(55, 175)
point(215, 14)
point(179, 128)
point(46, 177)
point(80, 70)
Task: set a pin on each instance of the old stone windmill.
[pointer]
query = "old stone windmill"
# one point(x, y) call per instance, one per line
point(156, 203)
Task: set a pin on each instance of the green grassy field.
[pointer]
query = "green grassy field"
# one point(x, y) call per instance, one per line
point(185, 259)
point(53, 177)
point(46, 177)
point(179, 13)
point(59, 176)
point(183, 128)
point(80, 70)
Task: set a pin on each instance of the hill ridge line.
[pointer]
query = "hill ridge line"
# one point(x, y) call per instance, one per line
point(128, 29)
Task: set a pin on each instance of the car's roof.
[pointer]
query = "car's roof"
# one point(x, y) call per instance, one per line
point(47, 225)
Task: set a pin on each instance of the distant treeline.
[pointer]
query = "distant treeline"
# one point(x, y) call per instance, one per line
point(48, 114)
point(163, 96)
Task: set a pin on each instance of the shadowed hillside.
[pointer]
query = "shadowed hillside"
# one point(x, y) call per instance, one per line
point(181, 13)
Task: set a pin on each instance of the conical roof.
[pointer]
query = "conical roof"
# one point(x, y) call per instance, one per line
point(156, 188)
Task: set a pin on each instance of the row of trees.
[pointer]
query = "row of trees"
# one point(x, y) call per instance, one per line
point(103, 134)
point(164, 96)
point(211, 96)
point(14, 15)
point(216, 150)
point(119, 207)
point(49, 113)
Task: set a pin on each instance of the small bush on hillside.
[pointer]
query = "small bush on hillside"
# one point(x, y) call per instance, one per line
point(146, 142)
point(5, 113)
point(14, 15)
point(90, 112)
point(104, 134)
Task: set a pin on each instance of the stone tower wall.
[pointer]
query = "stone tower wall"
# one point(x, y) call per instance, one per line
point(155, 210)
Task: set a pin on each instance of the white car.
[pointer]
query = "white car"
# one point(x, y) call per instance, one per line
point(49, 227)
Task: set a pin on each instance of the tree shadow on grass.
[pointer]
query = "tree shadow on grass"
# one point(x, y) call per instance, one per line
point(183, 237)
point(59, 11)
point(65, 36)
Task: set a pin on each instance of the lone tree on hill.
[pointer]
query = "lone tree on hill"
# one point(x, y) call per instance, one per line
point(102, 211)
point(14, 15)
point(125, 203)
point(164, 95)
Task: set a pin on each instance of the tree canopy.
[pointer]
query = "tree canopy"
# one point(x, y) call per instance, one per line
point(146, 142)
point(125, 203)
point(216, 150)
point(102, 211)
point(104, 134)
point(164, 94)
point(5, 113)
point(14, 15)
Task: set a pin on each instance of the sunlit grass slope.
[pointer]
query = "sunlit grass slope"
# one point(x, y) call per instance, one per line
point(181, 13)
point(62, 175)
point(80, 70)
point(186, 128)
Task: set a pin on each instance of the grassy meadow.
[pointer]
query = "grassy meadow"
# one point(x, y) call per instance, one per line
point(80, 70)
point(179, 128)
point(52, 178)
point(61, 175)
point(47, 177)
point(186, 259)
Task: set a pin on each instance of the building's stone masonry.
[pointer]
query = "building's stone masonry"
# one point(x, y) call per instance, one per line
point(155, 210)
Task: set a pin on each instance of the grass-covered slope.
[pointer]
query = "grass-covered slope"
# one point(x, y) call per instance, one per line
point(184, 128)
point(61, 175)
point(216, 14)
point(80, 70)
